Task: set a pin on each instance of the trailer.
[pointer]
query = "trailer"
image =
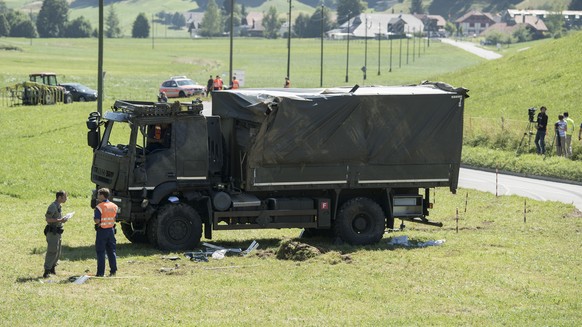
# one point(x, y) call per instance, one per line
point(336, 161)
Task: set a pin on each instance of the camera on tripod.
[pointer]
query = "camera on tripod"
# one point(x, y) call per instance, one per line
point(531, 112)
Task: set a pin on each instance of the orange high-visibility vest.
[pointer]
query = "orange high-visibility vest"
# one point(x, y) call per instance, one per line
point(235, 84)
point(218, 84)
point(108, 213)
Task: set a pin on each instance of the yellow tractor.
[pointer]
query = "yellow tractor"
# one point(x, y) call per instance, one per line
point(41, 88)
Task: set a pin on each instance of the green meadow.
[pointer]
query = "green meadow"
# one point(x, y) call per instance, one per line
point(505, 260)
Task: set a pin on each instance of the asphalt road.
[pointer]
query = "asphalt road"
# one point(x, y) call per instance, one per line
point(537, 189)
point(473, 48)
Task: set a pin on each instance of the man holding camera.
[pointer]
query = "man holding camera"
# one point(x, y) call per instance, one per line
point(541, 125)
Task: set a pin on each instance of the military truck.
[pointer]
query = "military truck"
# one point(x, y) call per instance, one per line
point(340, 161)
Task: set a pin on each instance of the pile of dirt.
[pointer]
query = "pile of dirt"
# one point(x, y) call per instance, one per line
point(297, 251)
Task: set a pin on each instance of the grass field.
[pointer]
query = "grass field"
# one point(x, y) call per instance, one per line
point(496, 270)
point(136, 68)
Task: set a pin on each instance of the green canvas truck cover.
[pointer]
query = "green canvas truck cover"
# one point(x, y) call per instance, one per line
point(401, 136)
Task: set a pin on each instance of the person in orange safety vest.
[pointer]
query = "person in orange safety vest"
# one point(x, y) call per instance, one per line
point(105, 242)
point(217, 83)
point(235, 85)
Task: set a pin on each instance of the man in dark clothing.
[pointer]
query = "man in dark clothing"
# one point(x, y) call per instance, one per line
point(541, 125)
point(209, 85)
point(105, 242)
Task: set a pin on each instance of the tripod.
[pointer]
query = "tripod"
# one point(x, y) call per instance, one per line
point(528, 132)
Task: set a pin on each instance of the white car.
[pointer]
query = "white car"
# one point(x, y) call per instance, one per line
point(181, 87)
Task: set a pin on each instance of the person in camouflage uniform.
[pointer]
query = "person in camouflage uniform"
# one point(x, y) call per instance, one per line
point(53, 231)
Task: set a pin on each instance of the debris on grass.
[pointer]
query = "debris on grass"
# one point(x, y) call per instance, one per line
point(218, 252)
point(403, 241)
point(297, 251)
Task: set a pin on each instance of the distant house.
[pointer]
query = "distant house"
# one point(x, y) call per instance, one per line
point(435, 23)
point(474, 23)
point(571, 18)
point(254, 24)
point(193, 23)
point(377, 25)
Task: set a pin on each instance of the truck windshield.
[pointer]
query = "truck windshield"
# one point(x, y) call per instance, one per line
point(116, 136)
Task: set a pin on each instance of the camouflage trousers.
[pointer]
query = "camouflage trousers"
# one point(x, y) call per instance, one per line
point(53, 250)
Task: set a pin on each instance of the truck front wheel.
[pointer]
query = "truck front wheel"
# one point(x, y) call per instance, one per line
point(132, 234)
point(360, 221)
point(178, 227)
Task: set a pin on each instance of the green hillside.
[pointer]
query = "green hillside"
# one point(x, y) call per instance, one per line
point(545, 73)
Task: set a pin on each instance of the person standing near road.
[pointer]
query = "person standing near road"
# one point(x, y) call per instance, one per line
point(209, 85)
point(568, 145)
point(105, 242)
point(561, 128)
point(234, 84)
point(217, 84)
point(541, 125)
point(53, 231)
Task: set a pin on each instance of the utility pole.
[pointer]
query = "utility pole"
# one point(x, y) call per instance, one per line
point(348, 50)
point(413, 43)
point(366, 48)
point(231, 40)
point(379, 46)
point(289, 43)
point(400, 54)
point(407, 43)
point(100, 62)
point(390, 40)
point(321, 60)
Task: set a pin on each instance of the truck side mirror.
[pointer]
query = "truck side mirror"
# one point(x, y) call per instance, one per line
point(93, 138)
point(93, 126)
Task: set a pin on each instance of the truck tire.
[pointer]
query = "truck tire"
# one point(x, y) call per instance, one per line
point(132, 235)
point(360, 221)
point(152, 231)
point(178, 227)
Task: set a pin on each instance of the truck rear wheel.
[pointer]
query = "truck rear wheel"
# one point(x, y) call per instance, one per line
point(133, 235)
point(178, 227)
point(360, 221)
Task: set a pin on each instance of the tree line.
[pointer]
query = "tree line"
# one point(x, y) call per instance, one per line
point(52, 21)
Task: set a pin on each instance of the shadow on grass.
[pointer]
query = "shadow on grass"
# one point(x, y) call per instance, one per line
point(325, 243)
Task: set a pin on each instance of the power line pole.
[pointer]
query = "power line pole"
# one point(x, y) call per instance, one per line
point(348, 50)
point(231, 39)
point(321, 61)
point(379, 46)
point(289, 43)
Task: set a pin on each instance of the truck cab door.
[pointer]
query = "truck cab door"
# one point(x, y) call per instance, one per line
point(160, 156)
point(191, 149)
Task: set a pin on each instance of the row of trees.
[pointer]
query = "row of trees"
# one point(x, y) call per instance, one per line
point(53, 21)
